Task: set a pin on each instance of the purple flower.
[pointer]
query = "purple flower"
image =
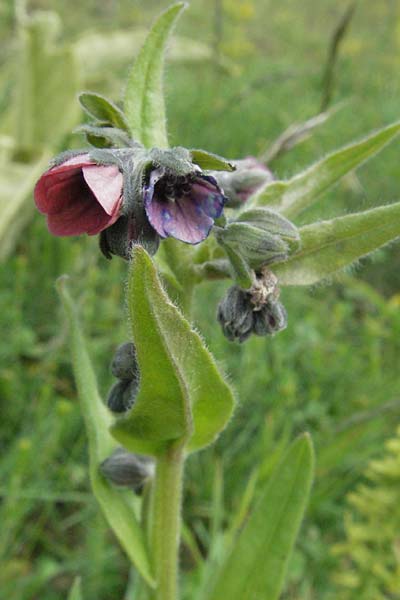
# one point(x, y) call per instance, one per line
point(183, 207)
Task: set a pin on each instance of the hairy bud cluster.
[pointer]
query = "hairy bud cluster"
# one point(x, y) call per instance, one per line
point(124, 367)
point(257, 310)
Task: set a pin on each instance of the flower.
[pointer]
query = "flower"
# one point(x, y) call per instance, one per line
point(183, 206)
point(130, 195)
point(80, 196)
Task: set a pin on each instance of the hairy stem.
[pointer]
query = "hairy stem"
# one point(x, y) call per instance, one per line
point(166, 522)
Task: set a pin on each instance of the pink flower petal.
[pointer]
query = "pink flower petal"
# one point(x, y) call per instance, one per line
point(106, 184)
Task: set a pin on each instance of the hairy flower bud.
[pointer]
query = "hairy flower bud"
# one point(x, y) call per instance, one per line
point(126, 469)
point(122, 395)
point(235, 314)
point(118, 239)
point(261, 236)
point(270, 319)
point(250, 175)
point(124, 365)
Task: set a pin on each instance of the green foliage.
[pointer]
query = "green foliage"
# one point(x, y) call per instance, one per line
point(328, 246)
point(16, 182)
point(43, 109)
point(117, 507)
point(76, 590)
point(182, 397)
point(370, 553)
point(50, 530)
point(210, 162)
point(293, 196)
point(257, 563)
point(45, 105)
point(98, 107)
point(144, 99)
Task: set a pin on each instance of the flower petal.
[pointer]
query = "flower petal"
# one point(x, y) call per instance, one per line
point(188, 218)
point(105, 181)
point(70, 204)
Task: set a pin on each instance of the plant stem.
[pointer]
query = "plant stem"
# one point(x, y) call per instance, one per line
point(166, 522)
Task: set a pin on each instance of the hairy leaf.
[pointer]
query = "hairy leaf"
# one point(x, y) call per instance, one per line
point(104, 137)
point(256, 567)
point(328, 246)
point(295, 195)
point(144, 100)
point(102, 109)
point(114, 503)
point(211, 162)
point(182, 396)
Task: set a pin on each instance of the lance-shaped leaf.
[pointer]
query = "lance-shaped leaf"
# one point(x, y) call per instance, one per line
point(295, 134)
point(211, 162)
point(295, 195)
point(328, 246)
point(182, 396)
point(144, 99)
point(98, 107)
point(256, 565)
point(103, 136)
point(115, 504)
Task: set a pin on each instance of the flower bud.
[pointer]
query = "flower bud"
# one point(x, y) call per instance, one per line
point(255, 244)
point(270, 319)
point(250, 175)
point(122, 395)
point(126, 469)
point(124, 365)
point(272, 223)
point(118, 239)
point(255, 310)
point(235, 314)
point(261, 236)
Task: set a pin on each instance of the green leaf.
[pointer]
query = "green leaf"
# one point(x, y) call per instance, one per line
point(182, 396)
point(328, 246)
point(295, 195)
point(48, 80)
point(98, 107)
point(105, 53)
point(104, 137)
point(115, 504)
point(144, 98)
point(256, 566)
point(211, 162)
point(75, 592)
point(16, 183)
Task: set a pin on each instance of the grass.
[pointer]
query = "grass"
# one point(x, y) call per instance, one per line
point(331, 372)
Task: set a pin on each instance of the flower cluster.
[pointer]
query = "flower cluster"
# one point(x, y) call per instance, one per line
point(257, 310)
point(156, 193)
point(132, 195)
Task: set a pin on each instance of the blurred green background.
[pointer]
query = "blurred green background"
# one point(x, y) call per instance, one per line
point(240, 73)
